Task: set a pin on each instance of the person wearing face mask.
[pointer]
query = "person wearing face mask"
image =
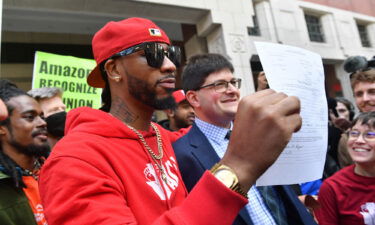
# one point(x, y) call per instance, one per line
point(49, 98)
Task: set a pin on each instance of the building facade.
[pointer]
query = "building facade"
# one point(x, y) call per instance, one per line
point(335, 29)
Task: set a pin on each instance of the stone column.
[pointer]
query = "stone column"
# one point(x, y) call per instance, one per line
point(226, 34)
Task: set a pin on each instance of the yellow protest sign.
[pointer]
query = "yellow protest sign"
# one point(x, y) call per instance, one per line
point(68, 73)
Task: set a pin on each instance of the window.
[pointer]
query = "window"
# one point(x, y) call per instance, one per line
point(362, 30)
point(254, 31)
point(314, 28)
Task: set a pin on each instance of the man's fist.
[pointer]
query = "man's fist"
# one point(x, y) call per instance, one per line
point(263, 126)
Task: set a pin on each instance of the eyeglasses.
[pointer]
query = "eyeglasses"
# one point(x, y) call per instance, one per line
point(222, 85)
point(368, 136)
point(154, 52)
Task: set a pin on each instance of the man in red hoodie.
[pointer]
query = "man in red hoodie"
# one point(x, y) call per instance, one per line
point(115, 166)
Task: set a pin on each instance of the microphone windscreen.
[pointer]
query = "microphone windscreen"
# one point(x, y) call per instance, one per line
point(355, 63)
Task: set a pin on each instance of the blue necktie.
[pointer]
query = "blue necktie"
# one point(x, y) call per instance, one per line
point(274, 204)
point(227, 136)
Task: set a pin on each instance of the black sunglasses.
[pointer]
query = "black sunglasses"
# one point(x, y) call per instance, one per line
point(155, 53)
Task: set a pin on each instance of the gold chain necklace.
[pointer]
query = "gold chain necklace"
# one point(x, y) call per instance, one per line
point(154, 157)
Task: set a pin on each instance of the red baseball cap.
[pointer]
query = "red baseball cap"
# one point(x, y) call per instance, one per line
point(117, 36)
point(179, 96)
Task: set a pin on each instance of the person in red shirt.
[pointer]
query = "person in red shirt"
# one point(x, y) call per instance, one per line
point(180, 116)
point(348, 197)
point(115, 166)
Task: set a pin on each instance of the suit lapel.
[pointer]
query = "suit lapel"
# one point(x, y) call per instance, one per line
point(202, 149)
point(296, 213)
point(206, 155)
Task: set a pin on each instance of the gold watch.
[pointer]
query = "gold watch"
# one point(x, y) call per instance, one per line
point(228, 177)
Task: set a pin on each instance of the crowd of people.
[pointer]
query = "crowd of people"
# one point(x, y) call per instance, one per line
point(114, 165)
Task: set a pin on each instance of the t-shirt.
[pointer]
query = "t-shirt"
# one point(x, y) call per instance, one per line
point(32, 194)
point(347, 198)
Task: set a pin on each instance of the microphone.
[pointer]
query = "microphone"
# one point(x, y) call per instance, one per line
point(355, 63)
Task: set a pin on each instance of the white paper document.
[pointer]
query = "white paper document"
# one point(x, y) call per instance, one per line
point(300, 73)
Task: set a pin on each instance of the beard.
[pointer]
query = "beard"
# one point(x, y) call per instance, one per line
point(31, 150)
point(140, 90)
point(182, 122)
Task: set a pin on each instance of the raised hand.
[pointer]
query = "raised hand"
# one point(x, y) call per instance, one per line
point(264, 124)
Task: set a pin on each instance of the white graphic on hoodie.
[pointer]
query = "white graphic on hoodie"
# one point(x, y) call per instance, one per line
point(368, 213)
point(172, 179)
